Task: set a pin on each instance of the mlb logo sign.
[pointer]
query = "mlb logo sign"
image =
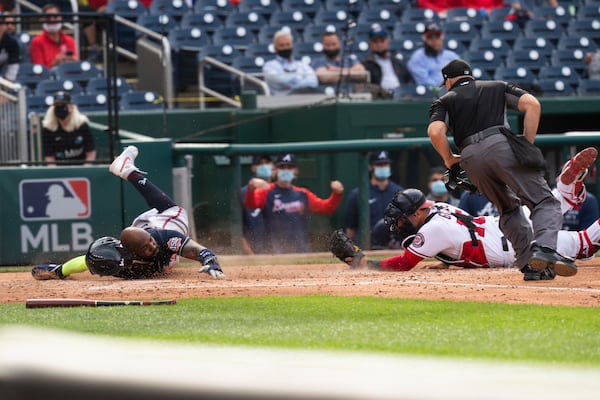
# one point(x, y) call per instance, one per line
point(55, 199)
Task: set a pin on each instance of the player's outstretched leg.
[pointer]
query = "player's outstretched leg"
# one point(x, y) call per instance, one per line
point(576, 167)
point(124, 164)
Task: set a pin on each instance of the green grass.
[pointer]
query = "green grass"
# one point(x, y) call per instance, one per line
point(548, 334)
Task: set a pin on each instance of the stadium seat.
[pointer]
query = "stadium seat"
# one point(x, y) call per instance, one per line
point(91, 102)
point(462, 31)
point(531, 59)
point(224, 52)
point(410, 29)
point(559, 14)
point(209, 21)
point(540, 44)
point(266, 33)
point(467, 14)
point(499, 14)
point(383, 17)
point(455, 45)
point(572, 43)
point(130, 10)
point(414, 92)
point(24, 39)
point(487, 60)
point(419, 15)
point(562, 73)
point(397, 7)
point(233, 36)
point(480, 74)
point(222, 7)
point(100, 86)
point(517, 75)
point(141, 100)
point(360, 48)
point(588, 87)
point(406, 44)
point(554, 87)
point(308, 7)
point(173, 8)
point(190, 39)
point(51, 86)
point(547, 29)
point(186, 43)
point(261, 49)
point(80, 71)
point(263, 7)
point(308, 52)
point(506, 30)
point(295, 20)
point(214, 77)
point(585, 28)
point(345, 5)
point(39, 103)
point(250, 20)
point(314, 32)
point(569, 58)
point(337, 18)
point(159, 23)
point(249, 64)
point(30, 74)
point(498, 46)
point(588, 12)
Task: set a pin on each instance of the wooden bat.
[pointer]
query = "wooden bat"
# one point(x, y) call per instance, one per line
point(44, 303)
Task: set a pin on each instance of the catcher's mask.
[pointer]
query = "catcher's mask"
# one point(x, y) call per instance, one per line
point(107, 256)
point(403, 204)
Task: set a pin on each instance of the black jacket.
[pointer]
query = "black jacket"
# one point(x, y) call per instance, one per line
point(374, 69)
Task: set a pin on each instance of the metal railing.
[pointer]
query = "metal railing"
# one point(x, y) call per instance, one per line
point(13, 122)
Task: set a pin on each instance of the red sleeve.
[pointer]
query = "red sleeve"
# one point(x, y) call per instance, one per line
point(70, 45)
point(404, 262)
point(318, 205)
point(257, 198)
point(35, 52)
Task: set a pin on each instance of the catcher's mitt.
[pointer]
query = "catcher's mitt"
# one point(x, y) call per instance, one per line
point(343, 248)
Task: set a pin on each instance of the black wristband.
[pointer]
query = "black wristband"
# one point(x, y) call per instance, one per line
point(206, 256)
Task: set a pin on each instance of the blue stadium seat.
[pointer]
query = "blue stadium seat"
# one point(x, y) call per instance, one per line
point(222, 52)
point(455, 45)
point(186, 43)
point(499, 46)
point(260, 49)
point(250, 20)
point(360, 48)
point(562, 73)
point(314, 32)
point(569, 58)
point(209, 21)
point(345, 5)
point(588, 87)
point(415, 92)
point(308, 7)
point(80, 71)
point(222, 7)
point(30, 74)
point(543, 46)
point(91, 102)
point(141, 100)
point(130, 10)
point(216, 78)
point(250, 64)
point(572, 43)
point(499, 14)
point(295, 20)
point(190, 39)
point(588, 12)
point(463, 31)
point(266, 33)
point(52, 86)
point(555, 87)
point(383, 17)
point(506, 30)
point(468, 14)
point(589, 28)
point(337, 18)
point(481, 74)
point(174, 8)
point(410, 29)
point(518, 75)
point(159, 23)
point(397, 7)
point(547, 29)
point(308, 52)
point(24, 39)
point(39, 104)
point(100, 86)
point(263, 7)
point(532, 59)
point(406, 45)
point(234, 36)
point(419, 15)
point(487, 60)
point(559, 14)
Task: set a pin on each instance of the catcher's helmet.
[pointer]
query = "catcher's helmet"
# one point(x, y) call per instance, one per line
point(403, 204)
point(107, 256)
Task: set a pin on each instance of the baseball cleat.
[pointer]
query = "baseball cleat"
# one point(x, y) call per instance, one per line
point(44, 272)
point(124, 163)
point(532, 275)
point(578, 165)
point(543, 257)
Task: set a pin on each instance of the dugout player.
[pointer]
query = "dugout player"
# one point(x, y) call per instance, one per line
point(149, 247)
point(475, 113)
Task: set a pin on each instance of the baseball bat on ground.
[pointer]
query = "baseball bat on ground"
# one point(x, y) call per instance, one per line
point(44, 303)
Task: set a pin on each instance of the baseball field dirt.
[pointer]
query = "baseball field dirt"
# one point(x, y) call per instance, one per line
point(288, 275)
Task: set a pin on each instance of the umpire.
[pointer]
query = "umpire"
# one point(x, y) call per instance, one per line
point(475, 113)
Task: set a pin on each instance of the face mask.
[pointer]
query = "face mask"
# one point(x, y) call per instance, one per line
point(382, 173)
point(438, 188)
point(287, 53)
point(52, 28)
point(285, 175)
point(263, 171)
point(61, 111)
point(331, 53)
point(381, 53)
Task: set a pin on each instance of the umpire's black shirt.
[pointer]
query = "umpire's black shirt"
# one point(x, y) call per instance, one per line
point(471, 106)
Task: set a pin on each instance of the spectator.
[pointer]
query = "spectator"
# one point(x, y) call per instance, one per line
point(90, 29)
point(592, 59)
point(9, 53)
point(425, 63)
point(386, 71)
point(284, 74)
point(287, 208)
point(66, 134)
point(579, 218)
point(52, 47)
point(253, 224)
point(477, 204)
point(381, 192)
point(437, 188)
point(329, 67)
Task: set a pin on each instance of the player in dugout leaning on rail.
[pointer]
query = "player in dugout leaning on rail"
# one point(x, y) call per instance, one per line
point(151, 246)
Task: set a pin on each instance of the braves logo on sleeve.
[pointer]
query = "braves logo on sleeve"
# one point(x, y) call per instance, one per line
point(174, 244)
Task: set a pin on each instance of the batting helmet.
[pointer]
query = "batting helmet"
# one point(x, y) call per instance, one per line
point(403, 204)
point(107, 256)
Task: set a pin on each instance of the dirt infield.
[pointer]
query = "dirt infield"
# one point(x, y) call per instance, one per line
point(263, 276)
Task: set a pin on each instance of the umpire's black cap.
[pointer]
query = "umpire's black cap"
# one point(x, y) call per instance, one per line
point(456, 68)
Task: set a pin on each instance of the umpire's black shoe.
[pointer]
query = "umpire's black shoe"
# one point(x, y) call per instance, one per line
point(544, 257)
point(532, 275)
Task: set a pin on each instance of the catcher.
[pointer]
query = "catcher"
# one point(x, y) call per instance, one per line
point(149, 247)
point(452, 236)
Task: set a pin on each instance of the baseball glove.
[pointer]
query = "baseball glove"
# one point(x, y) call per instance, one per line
point(343, 248)
point(456, 178)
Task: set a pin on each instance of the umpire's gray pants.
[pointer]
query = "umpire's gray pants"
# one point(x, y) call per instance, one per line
point(493, 168)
